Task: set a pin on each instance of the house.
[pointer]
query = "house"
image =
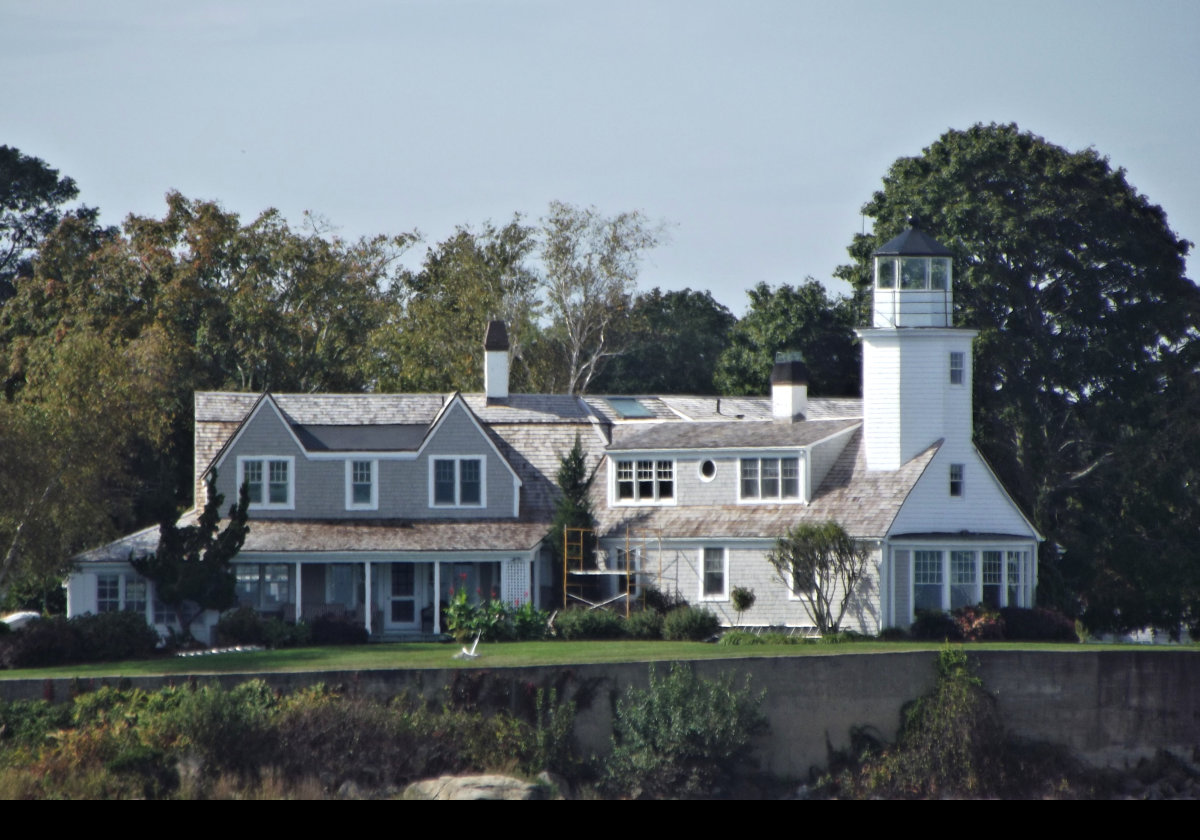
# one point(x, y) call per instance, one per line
point(379, 506)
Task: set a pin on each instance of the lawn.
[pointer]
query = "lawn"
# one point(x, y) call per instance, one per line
point(499, 655)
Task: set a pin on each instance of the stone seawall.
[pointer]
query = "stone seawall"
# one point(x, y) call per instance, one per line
point(1110, 707)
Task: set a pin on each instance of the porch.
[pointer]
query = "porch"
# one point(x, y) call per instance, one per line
point(392, 598)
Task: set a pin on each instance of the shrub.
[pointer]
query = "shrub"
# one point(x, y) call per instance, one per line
point(278, 633)
point(681, 737)
point(935, 625)
point(338, 630)
point(114, 636)
point(229, 731)
point(644, 624)
point(662, 602)
point(893, 634)
point(692, 624)
point(978, 624)
point(1037, 625)
point(742, 599)
point(243, 626)
point(51, 641)
point(576, 624)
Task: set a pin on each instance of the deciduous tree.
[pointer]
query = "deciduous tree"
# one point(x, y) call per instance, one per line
point(31, 195)
point(591, 265)
point(822, 565)
point(1088, 325)
point(802, 318)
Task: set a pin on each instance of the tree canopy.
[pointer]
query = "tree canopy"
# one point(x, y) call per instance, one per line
point(822, 566)
point(802, 318)
point(1088, 335)
point(31, 194)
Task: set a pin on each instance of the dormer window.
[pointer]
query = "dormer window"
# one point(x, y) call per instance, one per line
point(770, 479)
point(270, 481)
point(362, 485)
point(645, 481)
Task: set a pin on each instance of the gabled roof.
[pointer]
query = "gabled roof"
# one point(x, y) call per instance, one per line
point(864, 503)
point(730, 435)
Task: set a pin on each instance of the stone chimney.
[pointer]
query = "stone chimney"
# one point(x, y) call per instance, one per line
point(789, 387)
point(495, 362)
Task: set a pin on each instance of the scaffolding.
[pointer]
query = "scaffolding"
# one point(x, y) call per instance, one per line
point(579, 581)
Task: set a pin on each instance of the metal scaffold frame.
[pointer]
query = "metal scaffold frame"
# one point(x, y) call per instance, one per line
point(574, 566)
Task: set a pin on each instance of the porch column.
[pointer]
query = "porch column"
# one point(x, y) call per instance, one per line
point(437, 597)
point(368, 601)
point(296, 619)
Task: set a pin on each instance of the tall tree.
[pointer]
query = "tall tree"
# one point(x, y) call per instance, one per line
point(591, 267)
point(822, 566)
point(1088, 326)
point(192, 568)
point(465, 281)
point(572, 510)
point(31, 195)
point(802, 318)
point(674, 341)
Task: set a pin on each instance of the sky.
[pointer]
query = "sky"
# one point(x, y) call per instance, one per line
point(753, 131)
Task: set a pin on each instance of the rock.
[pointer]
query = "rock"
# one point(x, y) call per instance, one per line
point(474, 787)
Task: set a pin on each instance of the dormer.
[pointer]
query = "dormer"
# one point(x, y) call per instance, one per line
point(912, 281)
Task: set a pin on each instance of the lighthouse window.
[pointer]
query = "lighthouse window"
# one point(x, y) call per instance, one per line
point(957, 364)
point(939, 273)
point(886, 270)
point(913, 274)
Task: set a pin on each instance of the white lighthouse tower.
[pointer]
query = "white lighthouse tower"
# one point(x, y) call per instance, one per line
point(916, 364)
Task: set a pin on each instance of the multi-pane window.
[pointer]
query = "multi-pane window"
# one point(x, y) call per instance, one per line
point(1014, 577)
point(993, 578)
point(457, 482)
point(362, 483)
point(713, 574)
point(927, 580)
point(645, 481)
point(770, 478)
point(268, 481)
point(108, 593)
point(264, 586)
point(958, 363)
point(956, 479)
point(962, 579)
point(116, 592)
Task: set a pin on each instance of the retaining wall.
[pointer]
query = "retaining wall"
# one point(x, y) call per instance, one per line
point(1110, 707)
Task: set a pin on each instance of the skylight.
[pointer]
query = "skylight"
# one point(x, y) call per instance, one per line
point(629, 408)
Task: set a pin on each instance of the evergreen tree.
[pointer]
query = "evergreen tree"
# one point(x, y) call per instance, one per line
point(573, 509)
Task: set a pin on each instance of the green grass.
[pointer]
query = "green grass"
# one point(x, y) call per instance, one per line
point(500, 655)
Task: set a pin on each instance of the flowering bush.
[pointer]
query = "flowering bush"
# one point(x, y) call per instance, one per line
point(493, 620)
point(978, 623)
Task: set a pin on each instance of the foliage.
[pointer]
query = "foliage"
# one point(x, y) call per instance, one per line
point(822, 565)
point(1085, 369)
point(338, 630)
point(1037, 625)
point(742, 600)
point(242, 626)
point(978, 623)
point(690, 624)
point(572, 508)
point(591, 264)
point(107, 637)
point(644, 624)
point(192, 569)
point(662, 602)
point(673, 340)
point(576, 624)
point(31, 194)
point(472, 277)
point(743, 638)
point(802, 319)
point(683, 737)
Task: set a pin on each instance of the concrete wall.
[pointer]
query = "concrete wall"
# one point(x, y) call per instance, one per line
point(1111, 707)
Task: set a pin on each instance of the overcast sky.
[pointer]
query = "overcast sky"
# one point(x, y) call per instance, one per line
point(755, 130)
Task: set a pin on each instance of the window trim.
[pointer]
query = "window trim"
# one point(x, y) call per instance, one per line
point(724, 594)
point(458, 502)
point(373, 504)
point(266, 461)
point(778, 498)
point(1013, 560)
point(123, 580)
point(658, 478)
point(958, 367)
point(958, 480)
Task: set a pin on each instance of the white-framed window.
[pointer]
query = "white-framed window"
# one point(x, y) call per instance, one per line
point(927, 580)
point(714, 574)
point(645, 481)
point(956, 479)
point(963, 578)
point(769, 479)
point(993, 579)
point(946, 580)
point(263, 586)
point(958, 362)
point(362, 485)
point(457, 481)
point(117, 592)
point(270, 480)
